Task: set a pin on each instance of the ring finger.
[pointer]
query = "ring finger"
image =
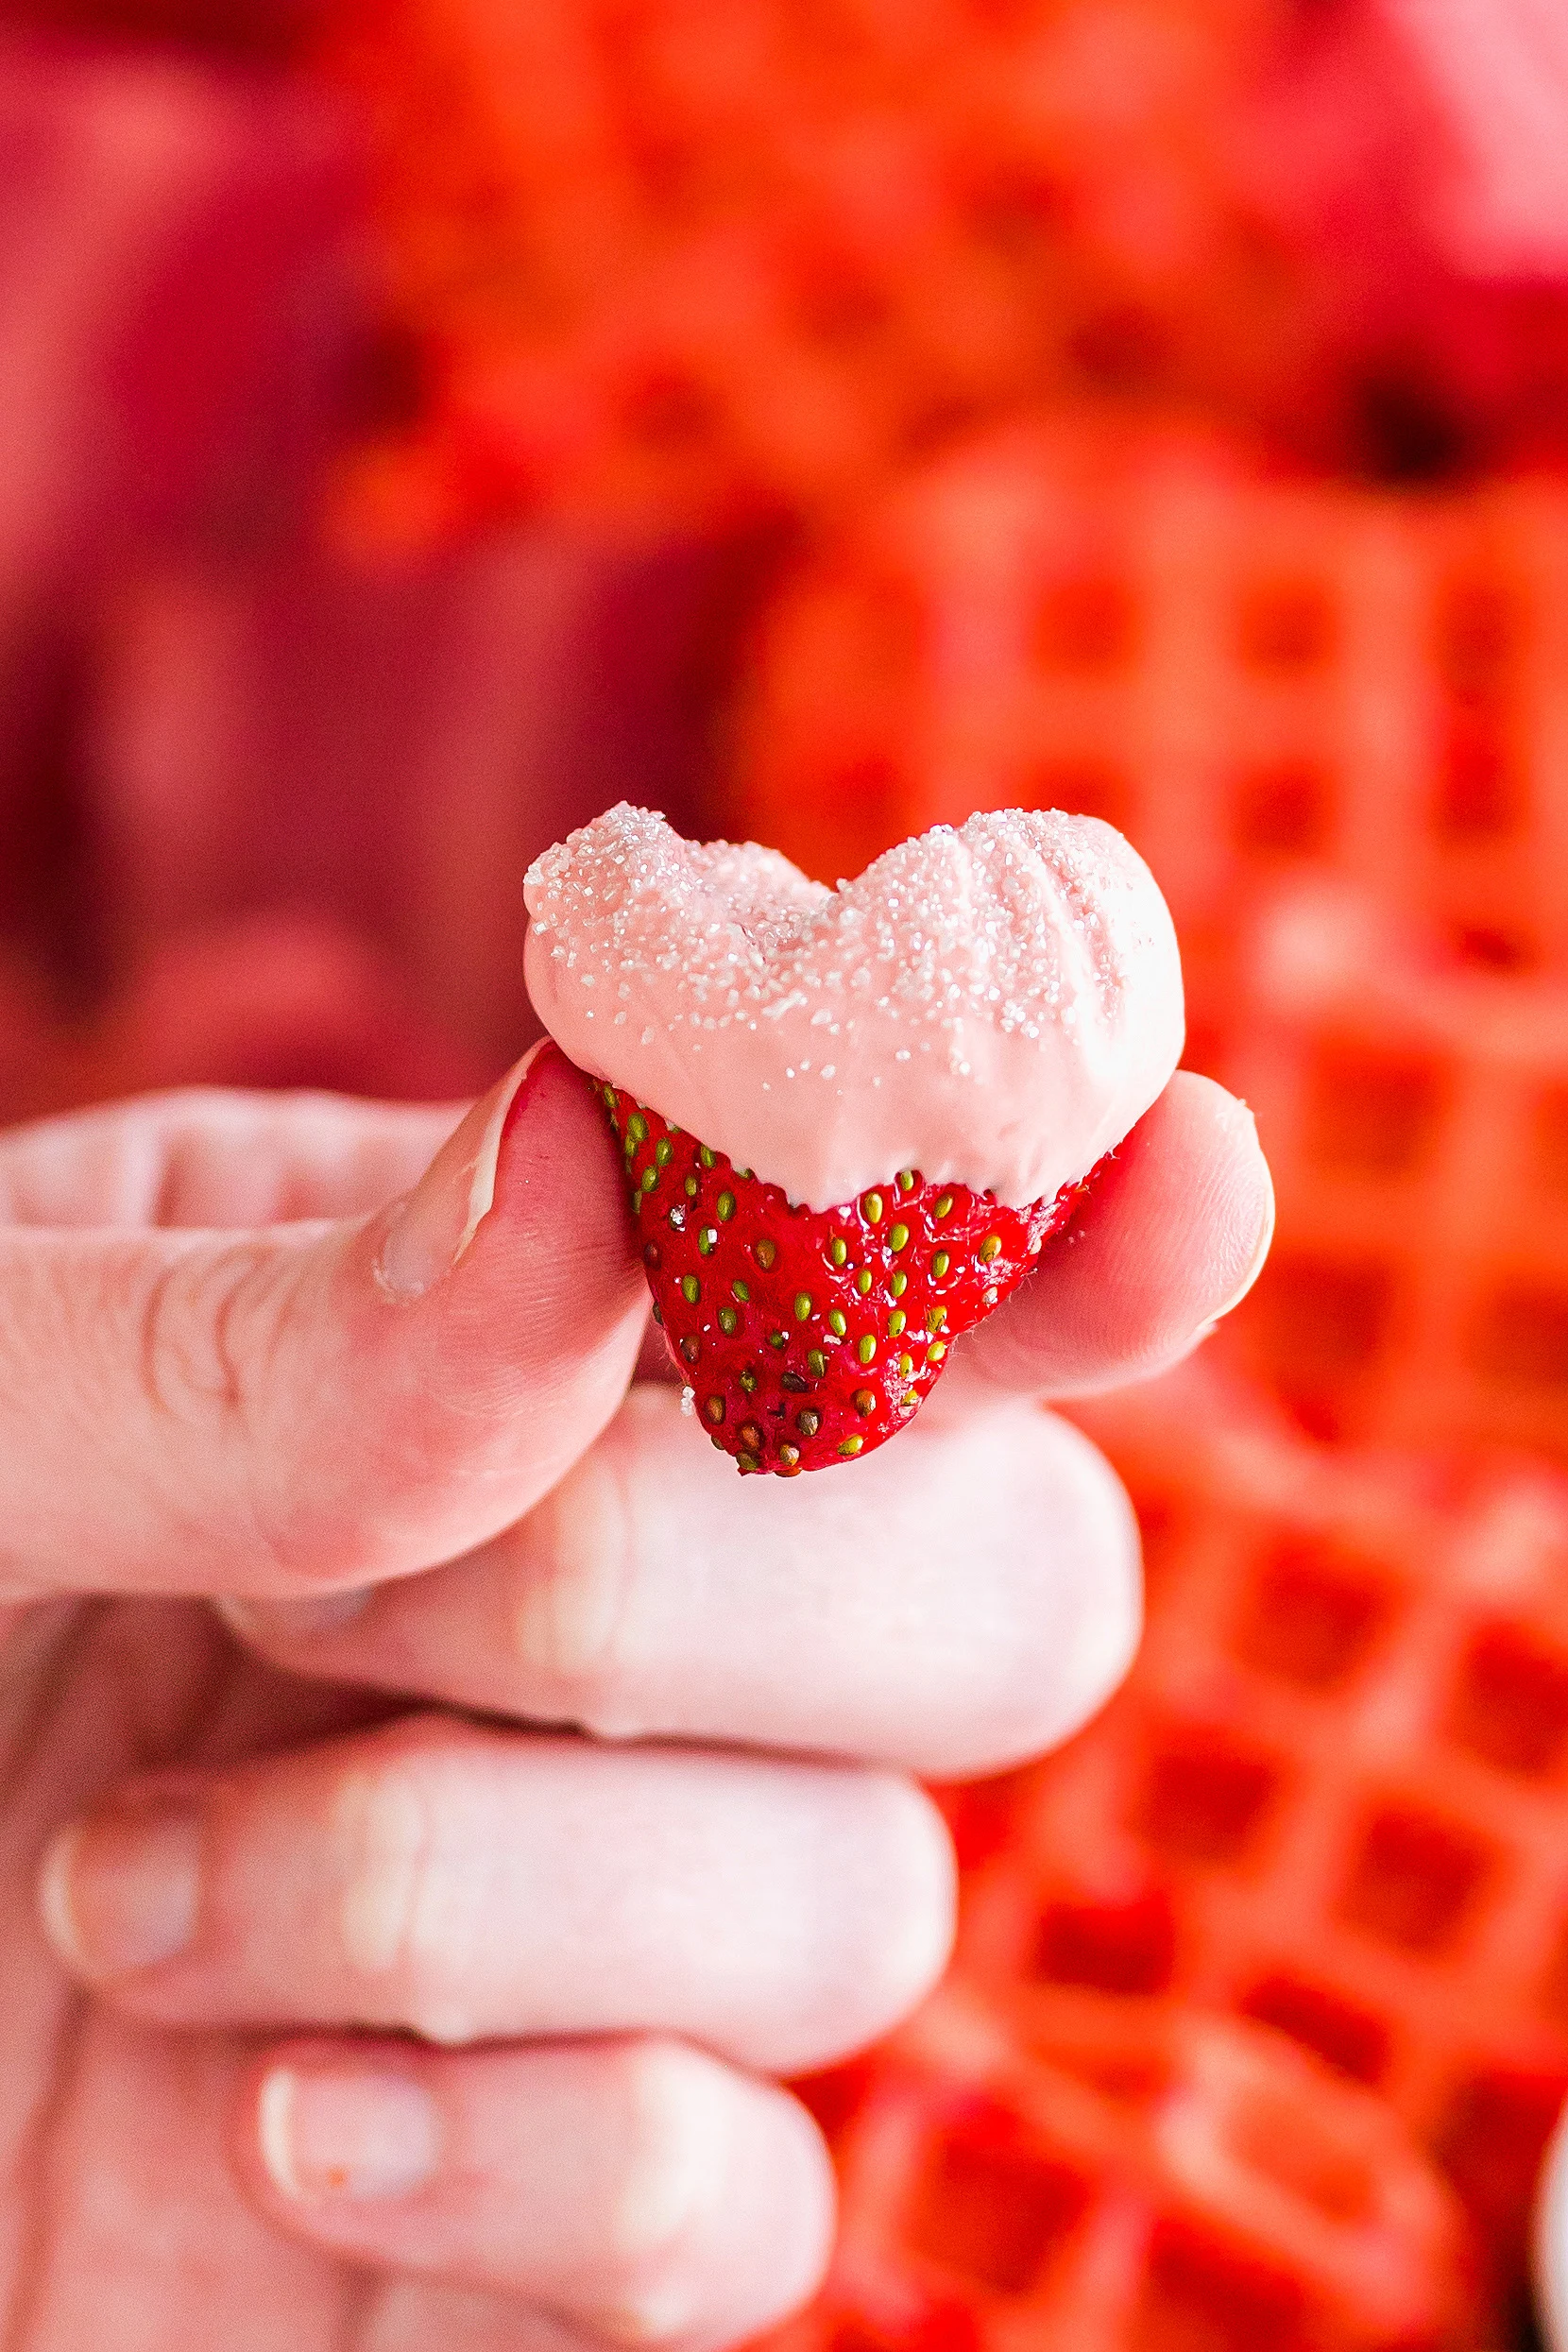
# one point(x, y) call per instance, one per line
point(472, 1885)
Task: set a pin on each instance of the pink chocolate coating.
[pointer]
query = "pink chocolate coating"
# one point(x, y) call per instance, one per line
point(993, 1005)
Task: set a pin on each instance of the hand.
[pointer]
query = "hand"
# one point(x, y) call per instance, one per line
point(358, 2024)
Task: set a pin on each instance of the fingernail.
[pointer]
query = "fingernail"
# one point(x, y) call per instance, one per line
point(122, 1892)
point(434, 1225)
point(293, 1621)
point(357, 2135)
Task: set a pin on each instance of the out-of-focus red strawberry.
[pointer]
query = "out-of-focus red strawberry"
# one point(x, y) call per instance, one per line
point(275, 1001)
point(270, 1000)
point(1498, 76)
point(209, 715)
point(1059, 2166)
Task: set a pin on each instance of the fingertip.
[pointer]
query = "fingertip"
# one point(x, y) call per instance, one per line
point(722, 2219)
point(1173, 1235)
point(548, 1305)
point(1215, 1133)
point(791, 2199)
point(559, 1168)
point(427, 1234)
point(476, 1342)
point(1051, 1599)
point(910, 1879)
point(498, 1169)
point(1095, 1601)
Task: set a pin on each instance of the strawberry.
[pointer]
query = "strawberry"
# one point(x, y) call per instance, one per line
point(809, 1335)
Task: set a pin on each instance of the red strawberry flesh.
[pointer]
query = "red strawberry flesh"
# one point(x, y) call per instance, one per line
point(808, 1336)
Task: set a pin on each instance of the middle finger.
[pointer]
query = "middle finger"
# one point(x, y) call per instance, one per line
point(950, 1605)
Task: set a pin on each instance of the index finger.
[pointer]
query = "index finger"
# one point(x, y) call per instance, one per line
point(220, 1158)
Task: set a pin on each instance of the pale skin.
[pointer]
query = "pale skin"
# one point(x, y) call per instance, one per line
point(440, 1798)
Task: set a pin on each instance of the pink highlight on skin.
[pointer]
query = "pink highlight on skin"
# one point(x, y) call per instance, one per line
point(994, 1005)
point(546, 1055)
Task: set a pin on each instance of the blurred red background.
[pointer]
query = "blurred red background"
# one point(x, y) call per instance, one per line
point(428, 421)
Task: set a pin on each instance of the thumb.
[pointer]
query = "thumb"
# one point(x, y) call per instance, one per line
point(271, 1411)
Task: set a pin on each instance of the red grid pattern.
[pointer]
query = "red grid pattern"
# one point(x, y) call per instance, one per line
point(710, 260)
point(1067, 2169)
point(686, 257)
point(1331, 1796)
point(1415, 1112)
point(1245, 676)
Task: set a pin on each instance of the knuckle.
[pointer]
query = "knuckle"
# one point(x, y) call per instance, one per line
point(666, 2192)
point(382, 1822)
point(399, 1928)
point(574, 1572)
point(190, 1362)
point(213, 1322)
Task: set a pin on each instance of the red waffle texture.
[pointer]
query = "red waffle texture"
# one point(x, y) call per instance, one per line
point(1062, 2168)
point(1247, 676)
point(694, 256)
point(1331, 1796)
point(701, 255)
point(1415, 1114)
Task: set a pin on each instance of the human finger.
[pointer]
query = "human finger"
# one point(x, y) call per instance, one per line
point(296, 1405)
point(951, 1605)
point(467, 1884)
point(1172, 1236)
point(635, 2190)
point(217, 1158)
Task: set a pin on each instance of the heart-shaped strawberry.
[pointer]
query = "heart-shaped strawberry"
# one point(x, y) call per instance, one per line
point(983, 1012)
point(808, 1336)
